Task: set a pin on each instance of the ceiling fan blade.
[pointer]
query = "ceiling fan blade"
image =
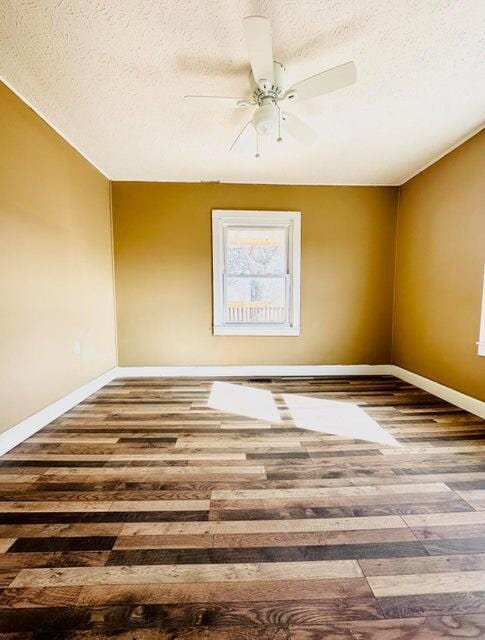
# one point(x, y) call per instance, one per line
point(324, 82)
point(243, 138)
point(223, 100)
point(298, 129)
point(260, 48)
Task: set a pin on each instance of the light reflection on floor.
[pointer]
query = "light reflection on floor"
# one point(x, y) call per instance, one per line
point(244, 401)
point(325, 416)
point(338, 418)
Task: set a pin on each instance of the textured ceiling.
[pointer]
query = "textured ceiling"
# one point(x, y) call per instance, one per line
point(110, 76)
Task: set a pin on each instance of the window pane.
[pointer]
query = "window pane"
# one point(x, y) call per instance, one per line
point(256, 250)
point(252, 300)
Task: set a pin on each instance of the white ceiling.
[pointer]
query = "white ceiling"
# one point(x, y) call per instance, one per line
point(110, 76)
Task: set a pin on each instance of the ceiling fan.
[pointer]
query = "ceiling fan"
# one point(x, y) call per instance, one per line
point(268, 90)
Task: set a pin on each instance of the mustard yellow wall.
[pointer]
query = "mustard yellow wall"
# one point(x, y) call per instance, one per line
point(56, 282)
point(56, 266)
point(162, 239)
point(440, 262)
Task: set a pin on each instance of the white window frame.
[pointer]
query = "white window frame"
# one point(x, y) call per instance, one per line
point(290, 220)
point(481, 339)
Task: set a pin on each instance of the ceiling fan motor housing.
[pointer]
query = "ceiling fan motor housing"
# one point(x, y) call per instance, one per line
point(263, 90)
point(266, 95)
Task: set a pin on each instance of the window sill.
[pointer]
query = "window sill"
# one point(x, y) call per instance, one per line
point(238, 330)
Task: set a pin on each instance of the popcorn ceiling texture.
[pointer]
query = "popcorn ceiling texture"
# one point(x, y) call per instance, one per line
point(110, 76)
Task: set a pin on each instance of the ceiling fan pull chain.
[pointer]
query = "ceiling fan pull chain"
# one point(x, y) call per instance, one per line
point(279, 138)
point(257, 154)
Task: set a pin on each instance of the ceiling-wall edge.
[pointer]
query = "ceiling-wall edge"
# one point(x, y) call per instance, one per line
point(259, 182)
point(468, 136)
point(415, 172)
point(54, 127)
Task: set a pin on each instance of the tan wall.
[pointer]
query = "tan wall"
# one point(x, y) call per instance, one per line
point(162, 235)
point(56, 282)
point(440, 262)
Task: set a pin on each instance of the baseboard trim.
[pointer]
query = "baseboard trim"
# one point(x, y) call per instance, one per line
point(256, 370)
point(23, 430)
point(468, 403)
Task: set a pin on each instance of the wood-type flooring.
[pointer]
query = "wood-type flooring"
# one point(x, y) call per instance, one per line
point(143, 514)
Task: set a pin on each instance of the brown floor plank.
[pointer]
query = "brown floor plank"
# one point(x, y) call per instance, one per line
point(223, 592)
point(439, 628)
point(143, 513)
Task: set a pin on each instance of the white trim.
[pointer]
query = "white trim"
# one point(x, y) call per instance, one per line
point(253, 330)
point(477, 407)
point(23, 430)
point(291, 221)
point(208, 371)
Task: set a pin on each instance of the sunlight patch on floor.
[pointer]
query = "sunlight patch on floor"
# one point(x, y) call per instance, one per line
point(337, 418)
point(243, 401)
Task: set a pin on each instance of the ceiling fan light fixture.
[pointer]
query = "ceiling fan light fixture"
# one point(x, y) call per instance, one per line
point(265, 119)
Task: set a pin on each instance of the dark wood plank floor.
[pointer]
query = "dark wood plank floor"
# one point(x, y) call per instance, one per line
point(143, 514)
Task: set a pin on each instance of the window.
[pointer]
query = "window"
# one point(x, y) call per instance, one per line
point(481, 339)
point(256, 271)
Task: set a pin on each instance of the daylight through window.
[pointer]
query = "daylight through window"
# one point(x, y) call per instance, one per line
point(256, 272)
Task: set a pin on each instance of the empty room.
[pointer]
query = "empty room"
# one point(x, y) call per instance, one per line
point(242, 320)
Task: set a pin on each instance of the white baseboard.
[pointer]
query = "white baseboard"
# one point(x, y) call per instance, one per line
point(256, 370)
point(477, 407)
point(457, 398)
point(23, 430)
